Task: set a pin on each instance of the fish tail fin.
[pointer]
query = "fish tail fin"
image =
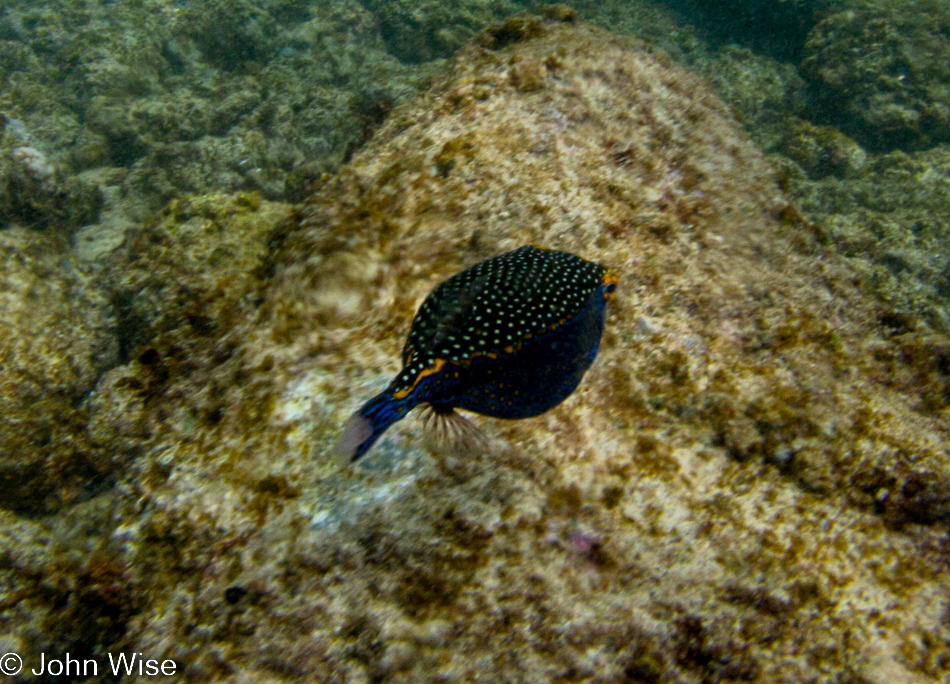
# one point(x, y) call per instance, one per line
point(367, 425)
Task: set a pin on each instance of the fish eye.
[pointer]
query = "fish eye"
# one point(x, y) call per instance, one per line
point(610, 288)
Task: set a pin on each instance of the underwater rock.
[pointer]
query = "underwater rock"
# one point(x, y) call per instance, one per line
point(230, 35)
point(421, 31)
point(34, 192)
point(194, 270)
point(24, 546)
point(766, 93)
point(822, 150)
point(777, 29)
point(56, 337)
point(63, 591)
point(890, 221)
point(881, 71)
point(191, 97)
point(743, 487)
point(179, 284)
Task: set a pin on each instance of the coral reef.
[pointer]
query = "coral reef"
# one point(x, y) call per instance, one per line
point(174, 98)
point(750, 484)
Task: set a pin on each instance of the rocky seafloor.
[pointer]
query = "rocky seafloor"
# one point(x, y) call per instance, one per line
point(751, 484)
point(129, 104)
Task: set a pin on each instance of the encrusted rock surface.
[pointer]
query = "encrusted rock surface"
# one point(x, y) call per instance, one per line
point(166, 98)
point(56, 336)
point(891, 221)
point(195, 269)
point(34, 191)
point(179, 285)
point(420, 31)
point(882, 69)
point(64, 590)
point(750, 484)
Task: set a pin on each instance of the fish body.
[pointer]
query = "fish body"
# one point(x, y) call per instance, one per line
point(510, 337)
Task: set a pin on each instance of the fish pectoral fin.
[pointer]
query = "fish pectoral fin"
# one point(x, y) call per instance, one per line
point(453, 433)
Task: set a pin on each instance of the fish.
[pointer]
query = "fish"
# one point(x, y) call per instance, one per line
point(510, 337)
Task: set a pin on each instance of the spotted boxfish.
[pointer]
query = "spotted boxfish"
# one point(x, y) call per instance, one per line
point(510, 337)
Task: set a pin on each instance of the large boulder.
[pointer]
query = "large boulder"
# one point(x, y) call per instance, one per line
point(750, 484)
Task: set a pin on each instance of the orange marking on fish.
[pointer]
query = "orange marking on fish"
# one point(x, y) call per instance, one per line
point(435, 368)
point(610, 278)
